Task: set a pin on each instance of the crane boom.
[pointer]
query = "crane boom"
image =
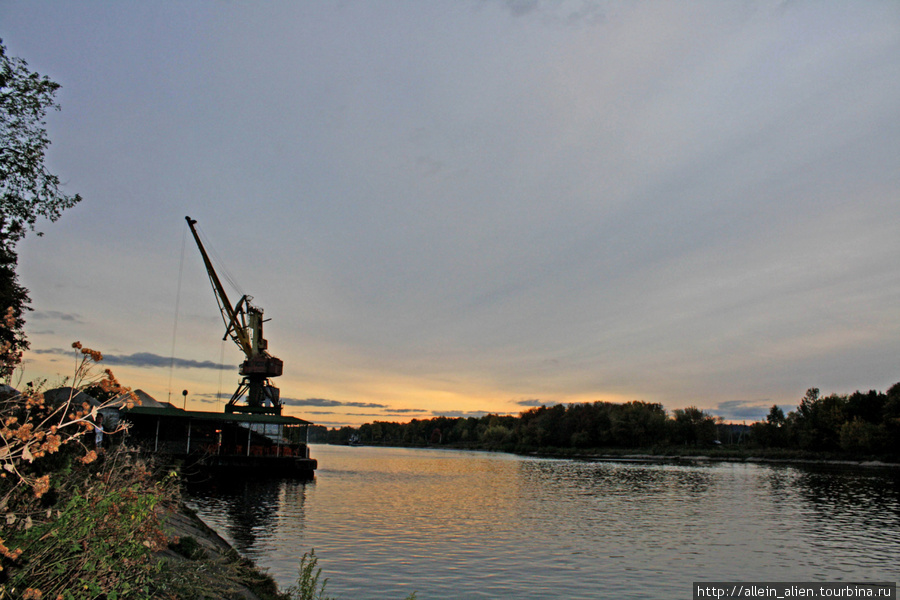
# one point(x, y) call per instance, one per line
point(235, 325)
point(244, 325)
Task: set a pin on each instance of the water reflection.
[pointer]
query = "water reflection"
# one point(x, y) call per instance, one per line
point(850, 512)
point(842, 490)
point(385, 522)
point(247, 512)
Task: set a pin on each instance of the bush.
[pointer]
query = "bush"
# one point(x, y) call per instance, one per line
point(79, 522)
point(98, 538)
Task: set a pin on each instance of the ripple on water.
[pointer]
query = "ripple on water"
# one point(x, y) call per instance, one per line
point(386, 521)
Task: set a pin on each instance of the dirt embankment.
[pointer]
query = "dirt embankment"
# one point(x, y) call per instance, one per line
point(200, 563)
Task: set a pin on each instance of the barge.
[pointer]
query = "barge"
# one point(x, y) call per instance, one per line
point(209, 444)
point(251, 436)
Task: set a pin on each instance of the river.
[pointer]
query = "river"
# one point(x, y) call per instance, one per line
point(385, 522)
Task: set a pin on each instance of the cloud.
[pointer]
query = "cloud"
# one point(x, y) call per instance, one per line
point(332, 424)
point(570, 12)
point(207, 398)
point(56, 315)
point(746, 410)
point(376, 416)
point(60, 351)
point(328, 403)
point(693, 201)
point(461, 414)
point(521, 7)
point(534, 403)
point(145, 359)
point(416, 413)
point(385, 413)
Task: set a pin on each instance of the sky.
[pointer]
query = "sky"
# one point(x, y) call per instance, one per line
point(473, 206)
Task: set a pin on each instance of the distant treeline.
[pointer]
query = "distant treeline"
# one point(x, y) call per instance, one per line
point(862, 423)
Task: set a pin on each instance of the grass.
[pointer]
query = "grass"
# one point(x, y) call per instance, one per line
point(97, 538)
point(310, 585)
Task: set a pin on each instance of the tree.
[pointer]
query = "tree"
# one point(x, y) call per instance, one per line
point(27, 188)
point(861, 436)
point(772, 432)
point(868, 407)
point(13, 302)
point(692, 426)
point(775, 416)
point(818, 420)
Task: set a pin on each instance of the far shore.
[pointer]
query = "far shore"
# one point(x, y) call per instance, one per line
point(675, 454)
point(748, 459)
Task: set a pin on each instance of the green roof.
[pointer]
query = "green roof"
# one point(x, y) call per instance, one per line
point(198, 415)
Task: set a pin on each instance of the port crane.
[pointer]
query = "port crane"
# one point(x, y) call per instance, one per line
point(244, 325)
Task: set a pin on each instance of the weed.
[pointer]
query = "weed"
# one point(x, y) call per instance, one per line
point(308, 586)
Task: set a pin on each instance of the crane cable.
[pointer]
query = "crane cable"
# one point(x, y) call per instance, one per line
point(218, 262)
point(221, 367)
point(214, 256)
point(175, 324)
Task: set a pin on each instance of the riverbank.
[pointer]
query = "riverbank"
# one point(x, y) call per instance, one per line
point(767, 456)
point(749, 459)
point(674, 454)
point(198, 562)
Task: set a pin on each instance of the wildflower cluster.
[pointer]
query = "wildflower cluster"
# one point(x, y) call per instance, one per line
point(34, 428)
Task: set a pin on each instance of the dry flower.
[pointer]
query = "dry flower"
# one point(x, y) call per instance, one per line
point(41, 486)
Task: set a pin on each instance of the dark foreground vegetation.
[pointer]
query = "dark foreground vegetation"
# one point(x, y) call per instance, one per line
point(860, 425)
point(84, 522)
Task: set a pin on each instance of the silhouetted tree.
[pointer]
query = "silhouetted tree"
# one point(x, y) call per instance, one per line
point(868, 407)
point(772, 432)
point(861, 423)
point(692, 426)
point(864, 437)
point(27, 189)
point(636, 424)
point(817, 421)
point(13, 303)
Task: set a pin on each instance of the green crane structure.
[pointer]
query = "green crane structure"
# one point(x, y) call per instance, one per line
point(244, 325)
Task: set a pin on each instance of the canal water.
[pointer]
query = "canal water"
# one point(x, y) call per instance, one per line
point(385, 522)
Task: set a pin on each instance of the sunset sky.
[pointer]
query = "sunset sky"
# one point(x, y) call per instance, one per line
point(469, 206)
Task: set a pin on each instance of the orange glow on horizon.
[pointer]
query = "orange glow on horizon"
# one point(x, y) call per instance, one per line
point(356, 400)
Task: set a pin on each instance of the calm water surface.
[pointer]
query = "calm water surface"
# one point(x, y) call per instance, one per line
point(385, 522)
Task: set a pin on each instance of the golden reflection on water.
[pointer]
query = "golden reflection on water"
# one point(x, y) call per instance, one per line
point(386, 521)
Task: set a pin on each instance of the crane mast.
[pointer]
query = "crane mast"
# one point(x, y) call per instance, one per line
point(244, 325)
